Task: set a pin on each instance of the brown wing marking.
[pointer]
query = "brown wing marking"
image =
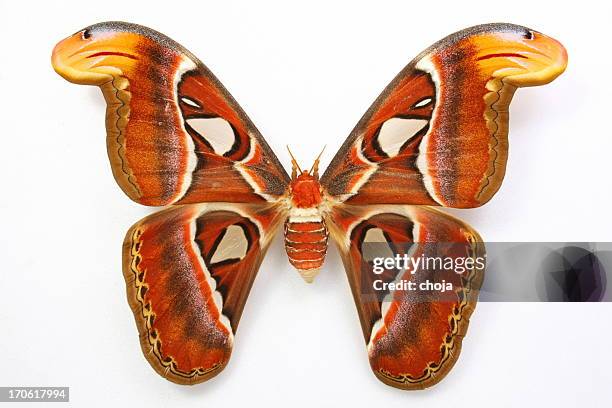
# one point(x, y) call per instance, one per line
point(174, 133)
point(188, 271)
point(413, 336)
point(437, 135)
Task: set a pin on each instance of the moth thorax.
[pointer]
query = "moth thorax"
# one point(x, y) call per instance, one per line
point(306, 241)
point(305, 191)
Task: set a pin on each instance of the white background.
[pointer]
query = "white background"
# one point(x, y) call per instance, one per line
point(305, 75)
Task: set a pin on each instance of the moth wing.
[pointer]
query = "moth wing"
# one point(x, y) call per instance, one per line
point(413, 335)
point(174, 133)
point(438, 134)
point(188, 271)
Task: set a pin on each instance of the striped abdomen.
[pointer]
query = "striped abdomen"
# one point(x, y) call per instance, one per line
point(306, 245)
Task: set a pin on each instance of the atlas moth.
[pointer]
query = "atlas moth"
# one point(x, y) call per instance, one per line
point(435, 137)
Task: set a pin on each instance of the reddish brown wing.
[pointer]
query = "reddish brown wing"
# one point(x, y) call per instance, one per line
point(174, 134)
point(413, 335)
point(188, 271)
point(437, 135)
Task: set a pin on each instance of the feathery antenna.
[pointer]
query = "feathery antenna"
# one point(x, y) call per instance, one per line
point(314, 170)
point(294, 164)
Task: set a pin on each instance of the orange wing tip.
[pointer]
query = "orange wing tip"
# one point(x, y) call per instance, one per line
point(522, 58)
point(70, 59)
point(548, 63)
point(97, 54)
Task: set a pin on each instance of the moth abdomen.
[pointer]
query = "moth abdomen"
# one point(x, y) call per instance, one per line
point(306, 246)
